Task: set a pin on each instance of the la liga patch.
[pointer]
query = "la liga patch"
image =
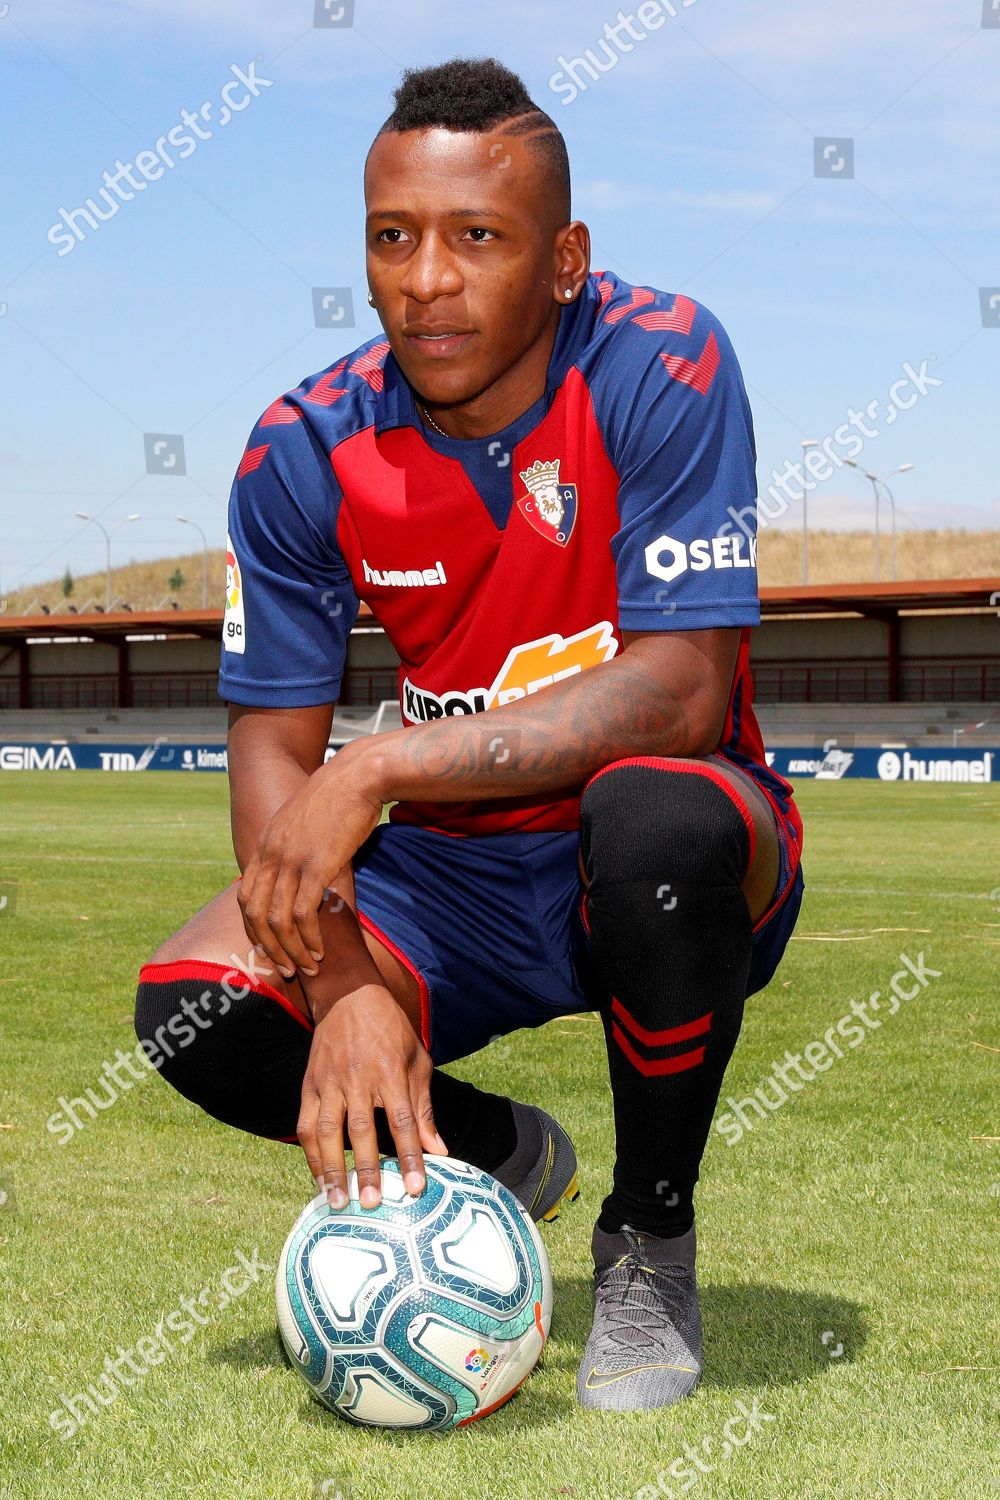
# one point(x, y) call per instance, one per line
point(234, 631)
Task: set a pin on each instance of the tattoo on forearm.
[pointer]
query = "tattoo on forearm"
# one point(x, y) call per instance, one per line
point(554, 739)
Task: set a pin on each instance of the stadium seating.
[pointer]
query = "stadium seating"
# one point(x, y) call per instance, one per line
point(174, 726)
point(929, 724)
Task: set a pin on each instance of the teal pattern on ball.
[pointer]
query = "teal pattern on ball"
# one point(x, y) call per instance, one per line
point(359, 1370)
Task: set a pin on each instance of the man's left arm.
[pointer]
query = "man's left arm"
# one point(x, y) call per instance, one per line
point(666, 694)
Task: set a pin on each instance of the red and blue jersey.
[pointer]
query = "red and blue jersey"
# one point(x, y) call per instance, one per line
point(624, 499)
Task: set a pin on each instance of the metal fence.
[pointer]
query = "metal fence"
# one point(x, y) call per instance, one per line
point(867, 680)
point(858, 680)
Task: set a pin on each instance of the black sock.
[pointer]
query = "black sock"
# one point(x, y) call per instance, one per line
point(528, 1140)
point(235, 1051)
point(225, 1043)
point(476, 1127)
point(665, 850)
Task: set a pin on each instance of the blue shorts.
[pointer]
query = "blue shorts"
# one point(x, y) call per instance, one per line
point(492, 927)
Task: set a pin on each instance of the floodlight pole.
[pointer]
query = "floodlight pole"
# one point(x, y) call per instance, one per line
point(878, 530)
point(204, 558)
point(84, 516)
point(903, 469)
point(874, 481)
point(806, 443)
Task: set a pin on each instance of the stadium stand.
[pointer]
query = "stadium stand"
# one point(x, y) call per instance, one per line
point(930, 724)
point(914, 663)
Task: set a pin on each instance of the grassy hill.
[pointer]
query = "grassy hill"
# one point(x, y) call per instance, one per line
point(834, 557)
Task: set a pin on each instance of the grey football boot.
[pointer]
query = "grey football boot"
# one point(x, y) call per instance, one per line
point(644, 1349)
point(548, 1177)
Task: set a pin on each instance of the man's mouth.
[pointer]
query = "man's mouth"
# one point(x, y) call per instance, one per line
point(442, 344)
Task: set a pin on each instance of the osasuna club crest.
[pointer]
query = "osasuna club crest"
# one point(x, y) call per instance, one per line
point(550, 507)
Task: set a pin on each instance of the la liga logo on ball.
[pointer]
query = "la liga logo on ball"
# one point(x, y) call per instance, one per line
point(483, 1365)
point(376, 1306)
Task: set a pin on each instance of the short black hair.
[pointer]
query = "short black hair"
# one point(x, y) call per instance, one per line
point(478, 94)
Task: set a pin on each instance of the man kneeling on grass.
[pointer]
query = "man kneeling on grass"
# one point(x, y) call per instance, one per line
point(531, 480)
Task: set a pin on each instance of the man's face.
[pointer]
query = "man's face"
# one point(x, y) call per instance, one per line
point(463, 250)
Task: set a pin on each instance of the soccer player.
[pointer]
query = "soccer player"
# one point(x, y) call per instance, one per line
point(541, 481)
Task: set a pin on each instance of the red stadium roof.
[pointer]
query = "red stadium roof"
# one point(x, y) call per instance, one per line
point(879, 600)
point(113, 627)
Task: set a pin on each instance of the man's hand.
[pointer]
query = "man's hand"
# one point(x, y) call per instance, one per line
point(300, 854)
point(364, 1054)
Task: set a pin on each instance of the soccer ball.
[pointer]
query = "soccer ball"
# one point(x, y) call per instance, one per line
point(424, 1312)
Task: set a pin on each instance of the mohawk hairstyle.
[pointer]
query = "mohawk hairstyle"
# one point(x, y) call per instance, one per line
point(479, 94)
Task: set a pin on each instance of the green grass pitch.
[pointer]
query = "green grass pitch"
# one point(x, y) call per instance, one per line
point(848, 1241)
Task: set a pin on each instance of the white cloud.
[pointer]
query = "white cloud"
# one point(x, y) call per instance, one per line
point(74, 20)
point(822, 36)
point(391, 27)
point(611, 193)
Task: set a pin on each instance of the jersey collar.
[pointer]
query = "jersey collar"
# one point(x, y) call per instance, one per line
point(395, 406)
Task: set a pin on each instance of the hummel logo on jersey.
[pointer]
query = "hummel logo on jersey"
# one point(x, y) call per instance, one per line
point(667, 558)
point(413, 578)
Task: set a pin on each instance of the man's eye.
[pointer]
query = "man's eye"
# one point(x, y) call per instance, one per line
point(482, 236)
point(383, 235)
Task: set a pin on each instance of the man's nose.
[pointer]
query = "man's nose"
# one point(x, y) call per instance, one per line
point(431, 272)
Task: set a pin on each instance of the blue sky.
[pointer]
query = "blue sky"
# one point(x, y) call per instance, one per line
point(693, 157)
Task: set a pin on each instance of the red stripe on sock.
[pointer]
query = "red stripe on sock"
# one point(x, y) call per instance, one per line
point(695, 768)
point(197, 968)
point(661, 1038)
point(650, 1068)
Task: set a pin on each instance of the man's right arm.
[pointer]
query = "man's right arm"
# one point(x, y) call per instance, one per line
point(290, 606)
point(364, 1049)
point(272, 753)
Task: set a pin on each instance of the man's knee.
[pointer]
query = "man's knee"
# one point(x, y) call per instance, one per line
point(176, 1010)
point(664, 820)
point(223, 1042)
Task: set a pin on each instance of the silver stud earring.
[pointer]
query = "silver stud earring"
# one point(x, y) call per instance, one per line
point(371, 300)
point(568, 293)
